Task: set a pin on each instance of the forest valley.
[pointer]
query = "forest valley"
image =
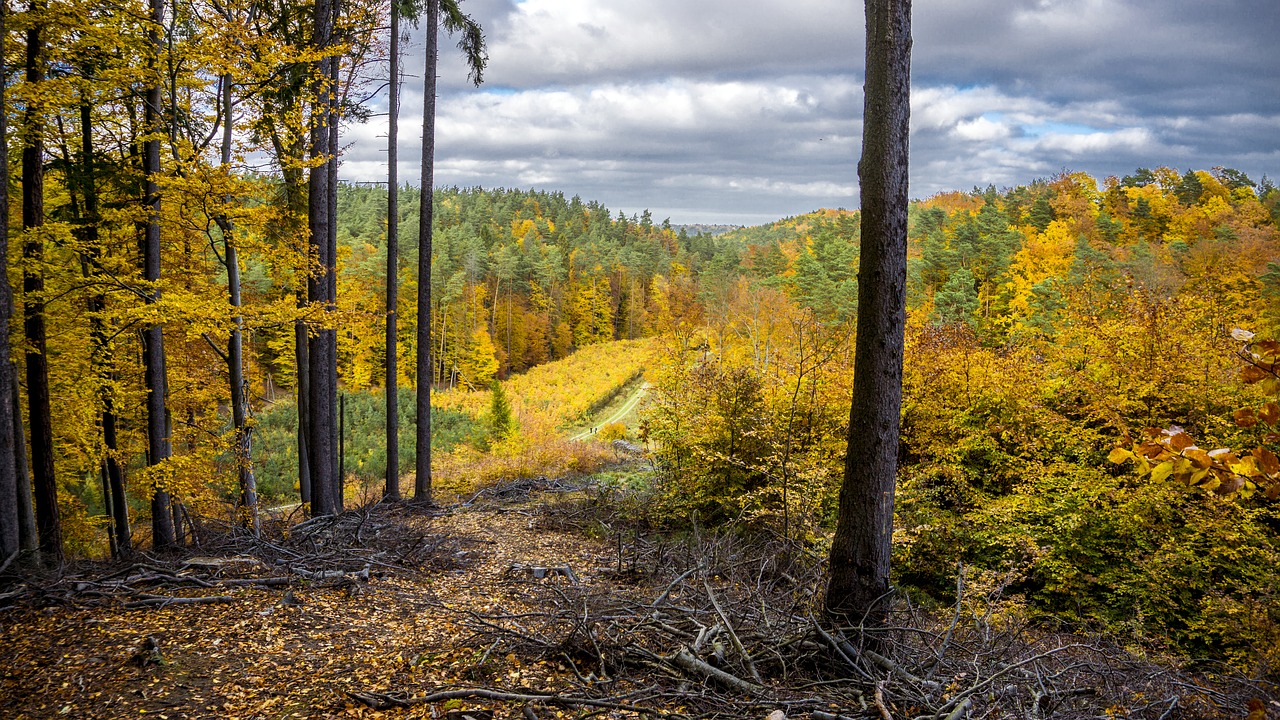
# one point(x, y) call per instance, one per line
point(622, 442)
point(1050, 326)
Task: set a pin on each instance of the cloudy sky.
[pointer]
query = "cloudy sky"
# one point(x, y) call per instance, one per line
point(746, 111)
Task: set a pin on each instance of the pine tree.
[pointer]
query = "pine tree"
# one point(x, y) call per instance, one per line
point(860, 549)
point(471, 43)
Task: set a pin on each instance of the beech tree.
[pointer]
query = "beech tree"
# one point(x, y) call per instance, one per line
point(860, 549)
point(471, 43)
point(158, 445)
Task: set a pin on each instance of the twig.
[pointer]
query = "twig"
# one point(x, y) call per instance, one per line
point(879, 701)
point(733, 636)
point(672, 585)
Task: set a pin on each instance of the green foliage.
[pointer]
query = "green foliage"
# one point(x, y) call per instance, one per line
point(957, 301)
point(501, 422)
point(275, 449)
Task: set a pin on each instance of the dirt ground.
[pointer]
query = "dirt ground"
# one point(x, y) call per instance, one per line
point(266, 654)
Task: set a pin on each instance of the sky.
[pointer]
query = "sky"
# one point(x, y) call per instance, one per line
point(746, 111)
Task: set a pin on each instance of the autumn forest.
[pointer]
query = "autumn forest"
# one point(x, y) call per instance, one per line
point(467, 435)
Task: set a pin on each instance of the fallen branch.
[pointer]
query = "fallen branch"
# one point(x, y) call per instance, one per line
point(879, 701)
point(733, 636)
point(387, 701)
point(686, 660)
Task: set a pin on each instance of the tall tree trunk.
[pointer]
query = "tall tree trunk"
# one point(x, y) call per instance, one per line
point(422, 479)
point(48, 521)
point(330, 337)
point(156, 378)
point(393, 259)
point(235, 344)
point(103, 367)
point(322, 350)
point(860, 549)
point(28, 535)
point(10, 524)
point(302, 365)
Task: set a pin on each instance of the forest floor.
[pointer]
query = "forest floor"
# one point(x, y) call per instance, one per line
point(532, 601)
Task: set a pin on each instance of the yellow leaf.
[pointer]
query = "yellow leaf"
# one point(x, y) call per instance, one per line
point(1119, 455)
point(1162, 471)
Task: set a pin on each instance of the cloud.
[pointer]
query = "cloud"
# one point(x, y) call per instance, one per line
point(752, 108)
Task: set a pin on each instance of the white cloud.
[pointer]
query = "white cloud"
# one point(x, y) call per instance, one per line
point(752, 107)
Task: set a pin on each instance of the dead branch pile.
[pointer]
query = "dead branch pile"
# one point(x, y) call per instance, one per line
point(342, 550)
point(730, 628)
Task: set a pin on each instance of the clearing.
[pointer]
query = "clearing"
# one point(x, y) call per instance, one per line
point(537, 599)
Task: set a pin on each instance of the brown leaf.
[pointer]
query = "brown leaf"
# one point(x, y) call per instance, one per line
point(1245, 418)
point(1199, 458)
point(1181, 441)
point(1267, 461)
point(1252, 373)
point(1269, 414)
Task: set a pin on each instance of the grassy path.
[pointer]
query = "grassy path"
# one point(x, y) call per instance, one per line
point(622, 412)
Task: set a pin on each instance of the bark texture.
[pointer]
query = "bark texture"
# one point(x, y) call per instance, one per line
point(860, 549)
point(48, 522)
point(422, 477)
point(10, 533)
point(322, 445)
point(155, 374)
point(393, 259)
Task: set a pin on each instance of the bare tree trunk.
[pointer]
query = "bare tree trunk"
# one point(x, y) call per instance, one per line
point(28, 535)
point(113, 479)
point(159, 448)
point(235, 344)
point(330, 337)
point(10, 530)
point(48, 522)
point(302, 371)
point(322, 351)
point(861, 546)
point(393, 260)
point(422, 479)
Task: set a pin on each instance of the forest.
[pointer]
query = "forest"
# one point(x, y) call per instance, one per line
point(219, 363)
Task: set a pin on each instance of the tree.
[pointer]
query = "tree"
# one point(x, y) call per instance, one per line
point(46, 490)
point(9, 525)
point(158, 446)
point(864, 528)
point(471, 43)
point(393, 257)
point(322, 350)
point(235, 344)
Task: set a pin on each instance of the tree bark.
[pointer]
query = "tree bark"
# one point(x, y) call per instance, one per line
point(48, 522)
point(859, 581)
point(156, 377)
point(393, 260)
point(235, 343)
point(28, 534)
point(10, 530)
point(103, 366)
point(322, 344)
point(422, 479)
